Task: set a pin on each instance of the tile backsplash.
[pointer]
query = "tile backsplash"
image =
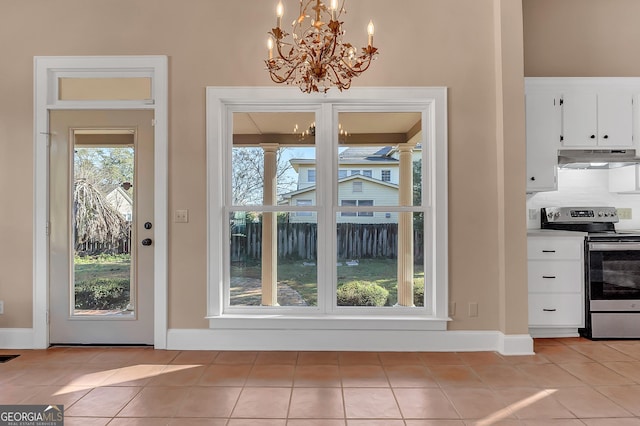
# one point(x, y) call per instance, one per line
point(584, 188)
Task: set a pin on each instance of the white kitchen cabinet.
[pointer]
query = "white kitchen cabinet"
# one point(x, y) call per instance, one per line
point(556, 285)
point(602, 118)
point(543, 140)
point(624, 179)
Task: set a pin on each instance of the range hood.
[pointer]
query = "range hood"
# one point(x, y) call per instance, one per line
point(596, 158)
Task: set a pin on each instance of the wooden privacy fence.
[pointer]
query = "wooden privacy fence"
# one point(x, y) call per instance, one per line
point(300, 241)
point(121, 246)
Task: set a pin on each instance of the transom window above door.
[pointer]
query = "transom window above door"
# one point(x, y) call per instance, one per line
point(316, 224)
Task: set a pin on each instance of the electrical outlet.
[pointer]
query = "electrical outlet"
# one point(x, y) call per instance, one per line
point(624, 213)
point(1, 307)
point(181, 216)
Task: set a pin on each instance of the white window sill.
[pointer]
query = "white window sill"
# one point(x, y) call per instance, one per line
point(326, 322)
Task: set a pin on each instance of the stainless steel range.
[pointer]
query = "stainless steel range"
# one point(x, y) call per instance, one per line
point(612, 269)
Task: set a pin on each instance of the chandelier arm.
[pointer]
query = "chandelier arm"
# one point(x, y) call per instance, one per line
point(336, 70)
point(278, 79)
point(365, 59)
point(337, 80)
point(280, 55)
point(287, 58)
point(335, 42)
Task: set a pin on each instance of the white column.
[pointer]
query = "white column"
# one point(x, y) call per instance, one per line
point(270, 228)
point(405, 228)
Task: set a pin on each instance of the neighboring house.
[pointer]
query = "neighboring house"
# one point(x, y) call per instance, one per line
point(121, 201)
point(367, 176)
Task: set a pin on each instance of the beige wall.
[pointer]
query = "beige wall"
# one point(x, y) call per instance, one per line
point(590, 38)
point(213, 42)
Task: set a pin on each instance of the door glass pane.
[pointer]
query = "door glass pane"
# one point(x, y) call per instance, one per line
point(104, 89)
point(103, 196)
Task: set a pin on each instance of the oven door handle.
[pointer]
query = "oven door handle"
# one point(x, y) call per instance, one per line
point(614, 246)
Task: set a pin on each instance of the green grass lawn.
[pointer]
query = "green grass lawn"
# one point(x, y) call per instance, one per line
point(87, 268)
point(296, 274)
point(102, 282)
point(303, 278)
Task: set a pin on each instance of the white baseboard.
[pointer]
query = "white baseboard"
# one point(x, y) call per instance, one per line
point(17, 338)
point(349, 340)
point(516, 344)
point(553, 332)
point(321, 340)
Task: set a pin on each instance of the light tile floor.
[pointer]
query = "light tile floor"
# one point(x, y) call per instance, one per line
point(567, 382)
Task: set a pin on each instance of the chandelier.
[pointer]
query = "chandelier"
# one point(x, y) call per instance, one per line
point(316, 58)
point(311, 131)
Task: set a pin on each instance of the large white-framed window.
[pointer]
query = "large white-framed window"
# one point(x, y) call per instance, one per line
point(311, 230)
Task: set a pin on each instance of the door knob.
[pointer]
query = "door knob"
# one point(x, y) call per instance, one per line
point(148, 225)
point(146, 242)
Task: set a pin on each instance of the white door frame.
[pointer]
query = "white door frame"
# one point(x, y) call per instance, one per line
point(48, 69)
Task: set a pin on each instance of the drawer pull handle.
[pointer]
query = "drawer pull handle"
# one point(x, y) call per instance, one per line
point(548, 310)
point(548, 251)
point(551, 277)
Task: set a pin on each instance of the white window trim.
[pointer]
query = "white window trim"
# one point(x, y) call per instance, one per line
point(433, 104)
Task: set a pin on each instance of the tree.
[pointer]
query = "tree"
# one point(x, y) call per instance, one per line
point(105, 168)
point(96, 220)
point(247, 179)
point(97, 171)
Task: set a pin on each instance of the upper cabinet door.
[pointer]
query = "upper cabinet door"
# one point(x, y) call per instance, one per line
point(579, 119)
point(615, 119)
point(597, 119)
point(543, 140)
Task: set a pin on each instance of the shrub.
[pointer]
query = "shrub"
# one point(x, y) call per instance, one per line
point(362, 293)
point(102, 293)
point(418, 292)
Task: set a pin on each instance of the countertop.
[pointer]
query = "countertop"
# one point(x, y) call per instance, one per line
point(554, 233)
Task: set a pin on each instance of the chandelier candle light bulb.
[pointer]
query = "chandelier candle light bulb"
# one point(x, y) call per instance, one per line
point(316, 58)
point(279, 14)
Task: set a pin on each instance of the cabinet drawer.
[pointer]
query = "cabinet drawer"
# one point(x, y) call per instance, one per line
point(556, 309)
point(564, 276)
point(555, 248)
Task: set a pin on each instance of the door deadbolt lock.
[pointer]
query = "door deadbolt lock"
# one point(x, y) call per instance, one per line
point(148, 225)
point(146, 242)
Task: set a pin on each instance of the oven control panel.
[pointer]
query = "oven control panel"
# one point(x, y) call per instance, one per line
point(580, 214)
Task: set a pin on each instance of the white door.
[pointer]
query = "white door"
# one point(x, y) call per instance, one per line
point(101, 227)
